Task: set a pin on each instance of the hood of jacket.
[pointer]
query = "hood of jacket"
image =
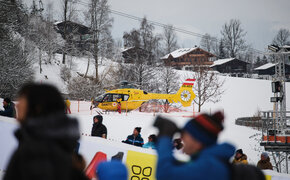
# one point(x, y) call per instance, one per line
point(56, 126)
point(100, 121)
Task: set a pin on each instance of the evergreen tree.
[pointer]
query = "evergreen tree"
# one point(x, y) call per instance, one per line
point(15, 66)
point(222, 53)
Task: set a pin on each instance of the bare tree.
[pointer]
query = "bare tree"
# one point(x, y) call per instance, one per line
point(69, 12)
point(282, 37)
point(65, 10)
point(168, 80)
point(169, 39)
point(132, 39)
point(101, 23)
point(51, 34)
point(145, 39)
point(233, 36)
point(168, 83)
point(208, 87)
point(207, 42)
point(83, 88)
point(117, 51)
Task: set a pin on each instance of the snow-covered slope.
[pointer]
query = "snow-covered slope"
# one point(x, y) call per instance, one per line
point(242, 97)
point(51, 72)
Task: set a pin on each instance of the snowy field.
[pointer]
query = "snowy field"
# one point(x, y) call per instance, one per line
point(243, 97)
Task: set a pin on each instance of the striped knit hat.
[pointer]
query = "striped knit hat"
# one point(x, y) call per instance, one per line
point(205, 128)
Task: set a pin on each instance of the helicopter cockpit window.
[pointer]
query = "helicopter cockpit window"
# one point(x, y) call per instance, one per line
point(100, 98)
point(116, 96)
point(108, 98)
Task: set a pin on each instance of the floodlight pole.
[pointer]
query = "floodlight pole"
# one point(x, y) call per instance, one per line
point(280, 107)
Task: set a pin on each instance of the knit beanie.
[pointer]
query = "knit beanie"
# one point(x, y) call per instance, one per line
point(138, 129)
point(265, 154)
point(205, 128)
point(240, 151)
point(7, 100)
point(112, 170)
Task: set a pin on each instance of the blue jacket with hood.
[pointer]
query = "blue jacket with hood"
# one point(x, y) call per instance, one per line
point(210, 163)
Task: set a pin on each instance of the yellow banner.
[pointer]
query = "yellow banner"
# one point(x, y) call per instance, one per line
point(141, 166)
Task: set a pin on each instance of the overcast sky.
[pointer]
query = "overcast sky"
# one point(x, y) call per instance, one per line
point(260, 18)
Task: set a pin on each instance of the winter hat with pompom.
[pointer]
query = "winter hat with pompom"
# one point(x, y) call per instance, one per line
point(205, 128)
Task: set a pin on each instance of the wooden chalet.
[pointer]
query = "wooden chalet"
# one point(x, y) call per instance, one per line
point(269, 70)
point(230, 65)
point(77, 35)
point(187, 58)
point(133, 54)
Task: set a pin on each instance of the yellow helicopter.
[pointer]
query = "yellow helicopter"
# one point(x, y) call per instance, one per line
point(131, 98)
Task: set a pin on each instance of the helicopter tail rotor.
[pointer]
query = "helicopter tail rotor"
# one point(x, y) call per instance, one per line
point(185, 94)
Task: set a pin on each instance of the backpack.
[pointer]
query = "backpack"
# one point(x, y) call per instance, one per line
point(246, 172)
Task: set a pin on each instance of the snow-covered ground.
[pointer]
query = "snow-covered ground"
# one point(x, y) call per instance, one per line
point(51, 72)
point(242, 97)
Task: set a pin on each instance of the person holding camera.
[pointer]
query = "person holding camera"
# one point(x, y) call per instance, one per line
point(209, 160)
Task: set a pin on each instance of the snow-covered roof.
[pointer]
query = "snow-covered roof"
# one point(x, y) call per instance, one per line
point(179, 52)
point(265, 66)
point(221, 61)
point(126, 49)
point(57, 22)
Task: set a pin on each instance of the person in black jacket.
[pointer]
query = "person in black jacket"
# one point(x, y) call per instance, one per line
point(99, 129)
point(9, 108)
point(135, 139)
point(47, 137)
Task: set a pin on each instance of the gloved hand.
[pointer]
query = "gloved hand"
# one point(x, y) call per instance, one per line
point(165, 127)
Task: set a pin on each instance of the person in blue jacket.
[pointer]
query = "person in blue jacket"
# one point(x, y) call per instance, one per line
point(151, 144)
point(209, 160)
point(135, 139)
point(9, 108)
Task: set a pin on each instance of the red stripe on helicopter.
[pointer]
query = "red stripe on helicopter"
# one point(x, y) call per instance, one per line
point(190, 79)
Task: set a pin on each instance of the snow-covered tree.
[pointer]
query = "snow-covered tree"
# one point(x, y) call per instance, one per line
point(15, 65)
point(101, 23)
point(83, 88)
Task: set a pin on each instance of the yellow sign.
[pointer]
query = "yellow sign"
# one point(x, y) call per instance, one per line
point(141, 166)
